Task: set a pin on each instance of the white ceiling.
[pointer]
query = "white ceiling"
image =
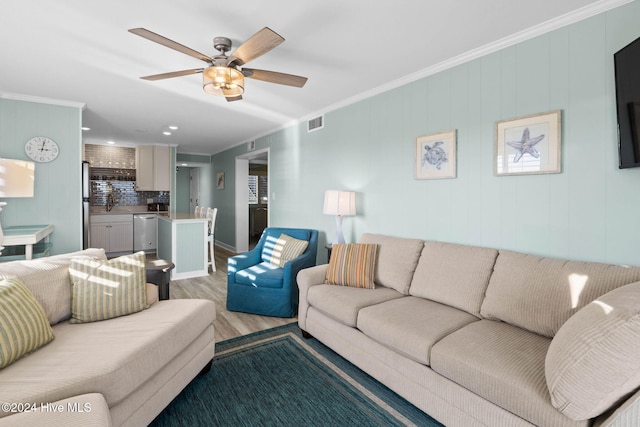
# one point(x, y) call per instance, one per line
point(81, 51)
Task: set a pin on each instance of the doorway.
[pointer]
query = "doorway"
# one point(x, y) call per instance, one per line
point(252, 212)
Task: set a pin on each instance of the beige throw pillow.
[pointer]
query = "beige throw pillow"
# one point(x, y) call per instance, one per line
point(106, 289)
point(24, 327)
point(285, 249)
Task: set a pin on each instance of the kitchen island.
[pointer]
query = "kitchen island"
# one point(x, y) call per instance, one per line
point(182, 239)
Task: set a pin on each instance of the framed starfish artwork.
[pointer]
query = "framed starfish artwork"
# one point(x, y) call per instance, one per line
point(529, 145)
point(436, 155)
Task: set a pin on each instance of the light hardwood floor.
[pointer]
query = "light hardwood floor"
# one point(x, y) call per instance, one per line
point(228, 324)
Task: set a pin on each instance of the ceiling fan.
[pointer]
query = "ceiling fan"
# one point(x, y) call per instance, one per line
point(223, 76)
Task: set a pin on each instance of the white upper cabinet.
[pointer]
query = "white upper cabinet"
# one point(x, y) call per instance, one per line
point(153, 168)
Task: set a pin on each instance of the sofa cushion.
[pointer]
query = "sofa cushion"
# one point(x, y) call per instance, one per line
point(23, 325)
point(285, 249)
point(540, 294)
point(397, 260)
point(107, 289)
point(352, 264)
point(114, 357)
point(455, 275)
point(504, 365)
point(263, 275)
point(593, 361)
point(410, 325)
point(48, 280)
point(343, 303)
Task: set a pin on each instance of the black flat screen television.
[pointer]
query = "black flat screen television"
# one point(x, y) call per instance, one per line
point(627, 72)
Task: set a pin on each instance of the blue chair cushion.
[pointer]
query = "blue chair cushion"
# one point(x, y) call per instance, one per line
point(263, 275)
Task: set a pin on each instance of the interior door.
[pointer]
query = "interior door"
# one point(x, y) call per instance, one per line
point(194, 189)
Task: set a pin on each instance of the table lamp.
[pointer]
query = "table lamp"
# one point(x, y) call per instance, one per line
point(16, 180)
point(339, 203)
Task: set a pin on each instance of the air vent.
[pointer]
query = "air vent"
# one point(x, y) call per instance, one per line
point(315, 124)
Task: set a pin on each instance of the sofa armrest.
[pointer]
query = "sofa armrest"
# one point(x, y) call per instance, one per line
point(306, 278)
point(626, 415)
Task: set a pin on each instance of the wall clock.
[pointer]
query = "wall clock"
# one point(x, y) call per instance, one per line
point(41, 149)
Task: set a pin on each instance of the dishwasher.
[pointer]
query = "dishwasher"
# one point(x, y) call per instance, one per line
point(145, 232)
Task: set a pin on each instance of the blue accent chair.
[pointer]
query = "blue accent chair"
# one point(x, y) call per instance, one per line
point(256, 286)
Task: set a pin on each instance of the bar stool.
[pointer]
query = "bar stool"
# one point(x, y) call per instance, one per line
point(211, 215)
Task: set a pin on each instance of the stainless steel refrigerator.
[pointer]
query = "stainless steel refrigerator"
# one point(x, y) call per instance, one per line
point(86, 194)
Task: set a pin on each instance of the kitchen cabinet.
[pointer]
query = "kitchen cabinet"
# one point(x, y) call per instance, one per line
point(153, 168)
point(114, 233)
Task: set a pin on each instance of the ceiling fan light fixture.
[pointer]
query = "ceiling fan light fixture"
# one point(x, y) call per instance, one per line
point(223, 81)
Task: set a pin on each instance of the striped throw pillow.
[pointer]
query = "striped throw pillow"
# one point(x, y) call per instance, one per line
point(286, 248)
point(24, 326)
point(106, 289)
point(353, 264)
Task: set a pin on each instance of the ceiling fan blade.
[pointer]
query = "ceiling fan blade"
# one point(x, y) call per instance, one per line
point(275, 77)
point(258, 44)
point(173, 74)
point(157, 38)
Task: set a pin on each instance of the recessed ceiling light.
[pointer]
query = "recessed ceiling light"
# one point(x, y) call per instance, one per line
point(85, 128)
point(166, 132)
point(111, 142)
point(173, 127)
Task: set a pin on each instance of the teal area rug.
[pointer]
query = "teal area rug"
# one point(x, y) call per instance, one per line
point(277, 378)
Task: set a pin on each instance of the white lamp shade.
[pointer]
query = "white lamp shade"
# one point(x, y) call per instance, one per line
point(16, 178)
point(339, 203)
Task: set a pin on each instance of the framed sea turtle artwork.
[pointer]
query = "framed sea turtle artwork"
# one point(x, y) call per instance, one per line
point(529, 145)
point(436, 155)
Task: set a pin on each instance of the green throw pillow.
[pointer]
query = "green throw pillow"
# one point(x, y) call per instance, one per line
point(285, 249)
point(353, 264)
point(24, 326)
point(106, 289)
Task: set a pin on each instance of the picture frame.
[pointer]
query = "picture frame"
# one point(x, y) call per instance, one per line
point(435, 155)
point(529, 145)
point(220, 181)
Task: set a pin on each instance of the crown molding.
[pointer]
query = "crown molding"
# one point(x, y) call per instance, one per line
point(40, 100)
point(513, 39)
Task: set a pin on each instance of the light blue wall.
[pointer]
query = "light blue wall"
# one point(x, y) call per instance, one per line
point(183, 180)
point(206, 179)
point(589, 211)
point(57, 196)
point(207, 184)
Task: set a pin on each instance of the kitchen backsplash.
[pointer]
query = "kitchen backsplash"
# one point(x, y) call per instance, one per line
point(113, 171)
point(108, 156)
point(124, 194)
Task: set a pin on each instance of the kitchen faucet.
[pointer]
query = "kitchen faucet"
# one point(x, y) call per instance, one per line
point(111, 202)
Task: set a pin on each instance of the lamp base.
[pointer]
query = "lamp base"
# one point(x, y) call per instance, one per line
point(339, 236)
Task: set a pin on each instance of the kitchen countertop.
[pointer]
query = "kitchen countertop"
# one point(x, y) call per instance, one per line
point(120, 210)
point(182, 217)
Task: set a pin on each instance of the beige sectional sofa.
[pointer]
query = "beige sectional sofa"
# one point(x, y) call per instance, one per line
point(124, 370)
point(488, 337)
